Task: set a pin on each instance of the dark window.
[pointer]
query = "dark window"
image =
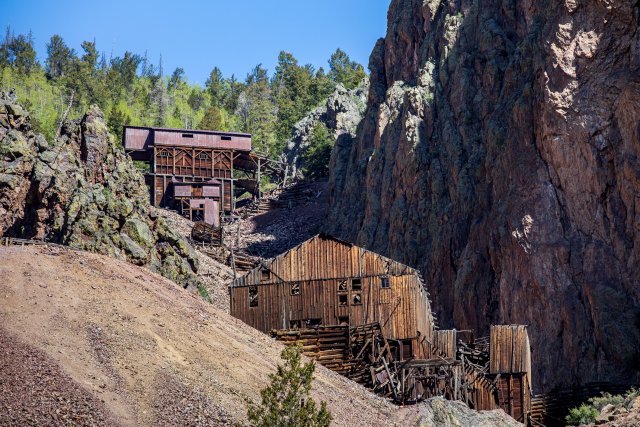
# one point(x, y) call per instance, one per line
point(253, 296)
point(384, 282)
point(356, 298)
point(187, 135)
point(343, 320)
point(295, 289)
point(226, 138)
point(343, 299)
point(265, 275)
point(295, 324)
point(313, 323)
point(356, 284)
point(164, 154)
point(203, 156)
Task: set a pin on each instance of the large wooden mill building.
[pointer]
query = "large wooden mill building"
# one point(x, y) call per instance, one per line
point(369, 317)
point(200, 173)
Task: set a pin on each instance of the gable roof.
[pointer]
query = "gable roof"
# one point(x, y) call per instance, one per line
point(314, 259)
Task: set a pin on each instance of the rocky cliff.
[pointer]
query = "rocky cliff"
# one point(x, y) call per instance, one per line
point(500, 153)
point(341, 114)
point(83, 191)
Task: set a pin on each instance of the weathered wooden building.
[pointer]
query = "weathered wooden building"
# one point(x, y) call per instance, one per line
point(326, 281)
point(368, 317)
point(196, 157)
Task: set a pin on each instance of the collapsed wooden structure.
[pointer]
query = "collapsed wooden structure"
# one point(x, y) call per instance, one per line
point(369, 318)
point(200, 173)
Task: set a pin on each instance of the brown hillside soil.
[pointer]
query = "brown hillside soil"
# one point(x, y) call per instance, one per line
point(121, 345)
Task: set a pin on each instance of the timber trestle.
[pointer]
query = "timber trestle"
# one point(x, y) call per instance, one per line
point(363, 354)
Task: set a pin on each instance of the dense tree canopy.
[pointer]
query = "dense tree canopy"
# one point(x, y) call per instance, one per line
point(130, 89)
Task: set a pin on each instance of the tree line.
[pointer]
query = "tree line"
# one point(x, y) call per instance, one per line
point(131, 89)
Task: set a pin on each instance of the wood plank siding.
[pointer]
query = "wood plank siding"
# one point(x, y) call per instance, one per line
point(325, 281)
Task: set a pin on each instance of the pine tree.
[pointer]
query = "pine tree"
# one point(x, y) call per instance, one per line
point(59, 57)
point(316, 158)
point(344, 70)
point(286, 402)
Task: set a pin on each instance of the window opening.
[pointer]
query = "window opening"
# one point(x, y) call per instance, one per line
point(265, 275)
point(343, 299)
point(384, 282)
point(187, 135)
point(356, 284)
point(343, 320)
point(253, 296)
point(295, 288)
point(342, 286)
point(313, 323)
point(356, 298)
point(226, 138)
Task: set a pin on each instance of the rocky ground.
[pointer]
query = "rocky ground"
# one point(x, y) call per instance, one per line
point(214, 275)
point(274, 232)
point(91, 340)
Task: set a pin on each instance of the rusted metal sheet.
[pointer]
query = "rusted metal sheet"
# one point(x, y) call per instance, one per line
point(137, 139)
point(142, 138)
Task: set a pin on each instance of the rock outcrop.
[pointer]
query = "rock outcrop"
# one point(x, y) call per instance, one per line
point(500, 154)
point(83, 191)
point(341, 114)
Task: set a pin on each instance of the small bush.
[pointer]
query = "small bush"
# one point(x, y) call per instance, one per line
point(584, 414)
point(287, 401)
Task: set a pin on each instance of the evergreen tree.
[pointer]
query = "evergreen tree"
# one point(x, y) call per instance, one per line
point(316, 158)
point(287, 402)
point(22, 54)
point(344, 70)
point(215, 87)
point(212, 120)
point(59, 57)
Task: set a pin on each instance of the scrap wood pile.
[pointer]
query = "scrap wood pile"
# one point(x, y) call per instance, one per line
point(475, 354)
point(207, 234)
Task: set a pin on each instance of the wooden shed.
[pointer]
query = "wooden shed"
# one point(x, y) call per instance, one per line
point(326, 281)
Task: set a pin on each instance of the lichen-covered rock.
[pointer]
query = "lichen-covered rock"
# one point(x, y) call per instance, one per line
point(438, 412)
point(83, 191)
point(500, 154)
point(341, 114)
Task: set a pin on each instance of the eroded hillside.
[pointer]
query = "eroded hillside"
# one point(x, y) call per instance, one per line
point(103, 341)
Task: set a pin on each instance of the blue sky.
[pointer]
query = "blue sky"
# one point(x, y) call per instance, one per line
point(198, 35)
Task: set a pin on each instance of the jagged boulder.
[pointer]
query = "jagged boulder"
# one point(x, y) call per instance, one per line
point(341, 114)
point(83, 191)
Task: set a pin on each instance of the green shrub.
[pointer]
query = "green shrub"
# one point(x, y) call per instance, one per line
point(584, 414)
point(287, 401)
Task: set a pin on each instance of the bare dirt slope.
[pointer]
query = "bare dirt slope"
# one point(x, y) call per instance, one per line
point(90, 340)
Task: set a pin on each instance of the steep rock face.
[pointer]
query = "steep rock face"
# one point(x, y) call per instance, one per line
point(341, 114)
point(500, 154)
point(83, 191)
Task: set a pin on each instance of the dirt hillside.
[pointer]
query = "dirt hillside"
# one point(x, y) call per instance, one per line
point(91, 340)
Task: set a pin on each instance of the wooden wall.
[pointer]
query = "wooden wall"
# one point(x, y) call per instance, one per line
point(324, 270)
point(509, 350)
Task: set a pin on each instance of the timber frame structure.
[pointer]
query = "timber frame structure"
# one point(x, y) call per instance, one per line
point(197, 157)
point(369, 318)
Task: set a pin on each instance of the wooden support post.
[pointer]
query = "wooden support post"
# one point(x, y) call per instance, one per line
point(259, 179)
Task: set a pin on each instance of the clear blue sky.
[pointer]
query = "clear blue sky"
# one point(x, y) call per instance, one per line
point(198, 35)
